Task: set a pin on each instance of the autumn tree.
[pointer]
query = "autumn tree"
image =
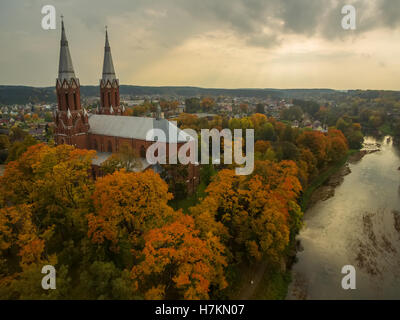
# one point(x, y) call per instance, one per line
point(338, 145)
point(316, 142)
point(44, 196)
point(251, 215)
point(207, 103)
point(127, 205)
point(244, 108)
point(178, 264)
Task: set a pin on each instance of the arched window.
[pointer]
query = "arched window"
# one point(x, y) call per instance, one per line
point(75, 102)
point(67, 100)
point(142, 152)
point(115, 99)
point(109, 99)
point(109, 149)
point(95, 146)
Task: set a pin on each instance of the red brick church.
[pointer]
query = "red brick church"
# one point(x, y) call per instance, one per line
point(109, 128)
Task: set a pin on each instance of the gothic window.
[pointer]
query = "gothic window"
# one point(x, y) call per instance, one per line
point(109, 146)
point(66, 100)
point(95, 146)
point(115, 99)
point(75, 102)
point(109, 99)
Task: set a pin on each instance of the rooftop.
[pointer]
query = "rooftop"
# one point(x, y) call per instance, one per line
point(136, 128)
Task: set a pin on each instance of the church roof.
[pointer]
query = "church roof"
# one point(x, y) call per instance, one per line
point(135, 128)
point(65, 67)
point(108, 66)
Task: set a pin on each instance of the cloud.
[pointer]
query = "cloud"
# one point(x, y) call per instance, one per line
point(143, 33)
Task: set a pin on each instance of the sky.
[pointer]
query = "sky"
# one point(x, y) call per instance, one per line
point(207, 43)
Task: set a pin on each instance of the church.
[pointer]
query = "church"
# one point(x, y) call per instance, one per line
point(107, 129)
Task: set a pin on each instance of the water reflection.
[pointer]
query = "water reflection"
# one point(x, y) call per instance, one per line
point(357, 226)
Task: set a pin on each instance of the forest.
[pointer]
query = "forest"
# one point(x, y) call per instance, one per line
point(121, 237)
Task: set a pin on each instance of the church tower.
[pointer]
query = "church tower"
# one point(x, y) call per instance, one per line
point(109, 85)
point(71, 120)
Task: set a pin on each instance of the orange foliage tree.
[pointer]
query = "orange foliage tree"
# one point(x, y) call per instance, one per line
point(126, 205)
point(252, 215)
point(177, 263)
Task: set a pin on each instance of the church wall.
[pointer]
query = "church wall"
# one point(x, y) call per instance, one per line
point(103, 143)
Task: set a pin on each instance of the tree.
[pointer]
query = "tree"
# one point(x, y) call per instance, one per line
point(338, 145)
point(260, 108)
point(244, 108)
point(251, 215)
point(258, 120)
point(207, 103)
point(17, 134)
point(126, 158)
point(176, 176)
point(310, 107)
point(104, 280)
point(178, 264)
point(55, 182)
point(192, 105)
point(4, 145)
point(262, 146)
point(316, 142)
point(4, 142)
point(19, 147)
point(186, 120)
point(292, 113)
point(126, 205)
point(265, 132)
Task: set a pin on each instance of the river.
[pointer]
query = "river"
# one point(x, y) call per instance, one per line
point(357, 226)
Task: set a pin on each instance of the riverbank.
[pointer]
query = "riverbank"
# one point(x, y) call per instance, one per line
point(323, 187)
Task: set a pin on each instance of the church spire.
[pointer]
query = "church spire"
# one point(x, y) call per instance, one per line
point(70, 127)
point(108, 66)
point(109, 85)
point(65, 67)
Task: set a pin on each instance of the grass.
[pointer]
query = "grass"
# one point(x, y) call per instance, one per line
point(273, 286)
point(322, 178)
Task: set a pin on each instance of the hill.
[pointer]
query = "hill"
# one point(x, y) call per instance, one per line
point(25, 94)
